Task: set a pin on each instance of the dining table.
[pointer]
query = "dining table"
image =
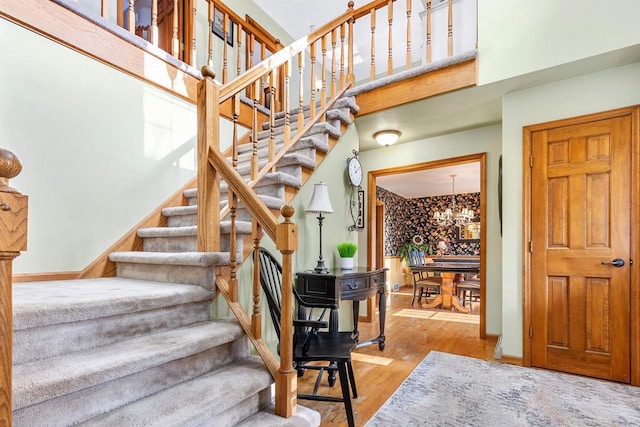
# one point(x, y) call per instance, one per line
point(448, 271)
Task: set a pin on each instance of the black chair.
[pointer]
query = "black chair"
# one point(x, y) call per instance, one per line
point(310, 344)
point(425, 284)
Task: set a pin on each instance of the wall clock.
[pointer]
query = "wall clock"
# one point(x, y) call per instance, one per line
point(354, 169)
point(354, 172)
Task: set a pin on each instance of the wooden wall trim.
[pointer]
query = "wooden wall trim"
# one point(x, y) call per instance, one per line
point(41, 277)
point(419, 87)
point(511, 360)
point(371, 204)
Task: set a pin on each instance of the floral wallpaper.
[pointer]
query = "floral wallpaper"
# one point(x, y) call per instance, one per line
point(405, 218)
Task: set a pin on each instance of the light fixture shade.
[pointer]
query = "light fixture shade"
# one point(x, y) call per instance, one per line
point(387, 137)
point(320, 202)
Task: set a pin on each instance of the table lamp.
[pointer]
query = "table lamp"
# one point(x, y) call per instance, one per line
point(320, 204)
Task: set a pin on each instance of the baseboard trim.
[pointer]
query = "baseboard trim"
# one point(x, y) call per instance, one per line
point(512, 360)
point(41, 277)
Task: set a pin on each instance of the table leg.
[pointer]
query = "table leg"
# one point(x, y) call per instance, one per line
point(382, 308)
point(447, 298)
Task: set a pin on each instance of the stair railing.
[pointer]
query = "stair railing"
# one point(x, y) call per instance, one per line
point(336, 74)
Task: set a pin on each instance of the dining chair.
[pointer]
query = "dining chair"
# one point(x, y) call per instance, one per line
point(424, 283)
point(309, 343)
point(468, 290)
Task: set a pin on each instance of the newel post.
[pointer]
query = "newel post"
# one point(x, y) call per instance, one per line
point(286, 382)
point(13, 239)
point(208, 180)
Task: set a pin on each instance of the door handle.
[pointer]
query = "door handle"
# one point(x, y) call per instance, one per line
point(618, 262)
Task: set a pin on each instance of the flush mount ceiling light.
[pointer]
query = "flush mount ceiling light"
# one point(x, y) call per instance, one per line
point(387, 137)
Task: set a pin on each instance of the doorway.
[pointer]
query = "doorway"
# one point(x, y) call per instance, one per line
point(580, 210)
point(372, 220)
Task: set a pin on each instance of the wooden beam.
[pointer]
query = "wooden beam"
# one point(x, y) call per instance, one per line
point(429, 84)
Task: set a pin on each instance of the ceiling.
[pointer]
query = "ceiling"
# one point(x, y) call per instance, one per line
point(433, 182)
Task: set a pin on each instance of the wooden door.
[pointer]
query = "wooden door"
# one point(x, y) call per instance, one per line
point(580, 222)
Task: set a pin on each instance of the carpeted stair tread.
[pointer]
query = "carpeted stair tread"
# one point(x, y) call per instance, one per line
point(304, 417)
point(315, 141)
point(180, 210)
point(242, 227)
point(339, 115)
point(199, 259)
point(37, 304)
point(49, 378)
point(320, 127)
point(201, 401)
point(272, 178)
point(292, 159)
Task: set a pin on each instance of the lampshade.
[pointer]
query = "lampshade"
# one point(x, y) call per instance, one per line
point(387, 137)
point(320, 202)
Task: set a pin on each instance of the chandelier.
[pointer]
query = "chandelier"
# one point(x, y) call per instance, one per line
point(451, 215)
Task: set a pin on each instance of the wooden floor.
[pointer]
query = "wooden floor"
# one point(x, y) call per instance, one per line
point(408, 341)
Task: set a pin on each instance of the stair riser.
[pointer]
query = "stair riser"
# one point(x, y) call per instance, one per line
point(183, 274)
point(186, 243)
point(54, 340)
point(83, 404)
point(273, 190)
point(234, 415)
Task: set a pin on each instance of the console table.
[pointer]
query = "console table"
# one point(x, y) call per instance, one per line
point(351, 285)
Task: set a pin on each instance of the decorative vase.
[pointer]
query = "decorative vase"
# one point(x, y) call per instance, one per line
point(346, 263)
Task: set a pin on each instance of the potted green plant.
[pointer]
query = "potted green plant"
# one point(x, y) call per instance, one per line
point(347, 251)
point(417, 243)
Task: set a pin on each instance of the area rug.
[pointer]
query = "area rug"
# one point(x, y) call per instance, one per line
point(444, 316)
point(450, 390)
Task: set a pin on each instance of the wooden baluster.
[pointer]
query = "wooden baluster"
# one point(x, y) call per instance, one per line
point(450, 30)
point(13, 240)
point(342, 75)
point(208, 109)
point(210, 50)
point(428, 32)
point(323, 91)
point(286, 102)
point(333, 63)
point(120, 11)
point(254, 132)
point(372, 74)
point(286, 381)
point(272, 115)
point(104, 9)
point(248, 60)
point(390, 58)
point(408, 34)
point(154, 22)
point(193, 35)
point(131, 17)
point(239, 53)
point(225, 31)
point(312, 101)
point(233, 250)
point(300, 91)
point(351, 78)
point(175, 43)
point(256, 316)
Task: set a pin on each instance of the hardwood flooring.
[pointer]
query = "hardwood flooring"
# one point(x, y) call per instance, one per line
point(408, 340)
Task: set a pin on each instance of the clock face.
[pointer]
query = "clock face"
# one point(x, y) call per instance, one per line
point(355, 172)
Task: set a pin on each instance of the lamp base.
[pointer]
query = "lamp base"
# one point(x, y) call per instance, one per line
point(321, 268)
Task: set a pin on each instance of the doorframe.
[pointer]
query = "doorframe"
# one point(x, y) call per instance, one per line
point(371, 215)
point(634, 113)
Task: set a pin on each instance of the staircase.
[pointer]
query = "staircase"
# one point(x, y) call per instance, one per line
point(141, 348)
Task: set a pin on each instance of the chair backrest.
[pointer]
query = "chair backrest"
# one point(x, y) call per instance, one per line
point(416, 258)
point(271, 282)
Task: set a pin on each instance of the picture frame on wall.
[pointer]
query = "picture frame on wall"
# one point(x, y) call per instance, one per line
point(360, 220)
point(217, 26)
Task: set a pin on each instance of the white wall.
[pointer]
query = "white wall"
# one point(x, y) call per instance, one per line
point(100, 150)
point(592, 93)
point(480, 140)
point(519, 37)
